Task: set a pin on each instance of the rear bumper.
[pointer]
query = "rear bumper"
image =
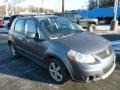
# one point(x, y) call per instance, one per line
point(93, 72)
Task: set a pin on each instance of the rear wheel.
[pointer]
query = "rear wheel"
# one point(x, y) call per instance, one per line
point(57, 71)
point(13, 50)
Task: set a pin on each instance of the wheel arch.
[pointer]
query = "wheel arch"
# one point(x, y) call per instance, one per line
point(52, 56)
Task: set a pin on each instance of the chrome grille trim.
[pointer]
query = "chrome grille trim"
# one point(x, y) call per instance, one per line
point(105, 53)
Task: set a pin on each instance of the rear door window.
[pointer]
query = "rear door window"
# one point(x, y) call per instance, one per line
point(19, 26)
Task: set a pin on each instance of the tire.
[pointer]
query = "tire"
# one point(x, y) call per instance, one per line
point(92, 27)
point(57, 68)
point(13, 50)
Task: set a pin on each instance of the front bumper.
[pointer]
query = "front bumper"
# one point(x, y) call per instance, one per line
point(93, 72)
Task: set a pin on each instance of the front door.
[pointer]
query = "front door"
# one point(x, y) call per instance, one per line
point(34, 47)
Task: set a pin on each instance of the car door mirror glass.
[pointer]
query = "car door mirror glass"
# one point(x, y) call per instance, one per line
point(41, 37)
point(30, 35)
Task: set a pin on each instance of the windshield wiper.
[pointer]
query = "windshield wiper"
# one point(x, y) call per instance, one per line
point(63, 35)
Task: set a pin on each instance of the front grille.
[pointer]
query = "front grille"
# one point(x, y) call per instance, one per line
point(106, 69)
point(106, 53)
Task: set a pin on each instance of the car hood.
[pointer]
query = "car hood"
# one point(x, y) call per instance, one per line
point(84, 42)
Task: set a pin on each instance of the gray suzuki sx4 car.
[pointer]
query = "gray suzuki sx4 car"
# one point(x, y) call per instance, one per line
point(64, 48)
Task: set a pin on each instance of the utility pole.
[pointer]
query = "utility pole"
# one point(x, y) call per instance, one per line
point(115, 9)
point(63, 2)
point(98, 3)
point(6, 7)
point(114, 23)
point(12, 4)
point(27, 9)
point(42, 7)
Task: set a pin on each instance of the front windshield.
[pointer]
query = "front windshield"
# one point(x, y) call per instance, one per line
point(59, 26)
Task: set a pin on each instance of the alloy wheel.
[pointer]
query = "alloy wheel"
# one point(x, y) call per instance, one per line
point(12, 49)
point(55, 71)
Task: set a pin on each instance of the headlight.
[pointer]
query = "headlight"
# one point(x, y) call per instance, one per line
point(76, 56)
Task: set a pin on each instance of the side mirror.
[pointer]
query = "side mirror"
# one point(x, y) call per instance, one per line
point(31, 35)
point(41, 38)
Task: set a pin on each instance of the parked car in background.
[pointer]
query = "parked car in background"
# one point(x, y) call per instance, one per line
point(6, 21)
point(62, 47)
point(12, 19)
point(86, 23)
point(1, 24)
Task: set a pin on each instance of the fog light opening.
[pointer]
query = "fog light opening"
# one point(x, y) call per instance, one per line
point(91, 78)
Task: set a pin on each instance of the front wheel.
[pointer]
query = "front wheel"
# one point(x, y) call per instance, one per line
point(57, 71)
point(92, 27)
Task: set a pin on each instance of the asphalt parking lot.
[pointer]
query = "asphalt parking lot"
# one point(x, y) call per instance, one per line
point(23, 74)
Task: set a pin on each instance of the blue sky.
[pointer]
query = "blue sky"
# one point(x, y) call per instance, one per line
point(55, 4)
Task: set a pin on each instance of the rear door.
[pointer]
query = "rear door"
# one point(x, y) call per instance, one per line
point(19, 34)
